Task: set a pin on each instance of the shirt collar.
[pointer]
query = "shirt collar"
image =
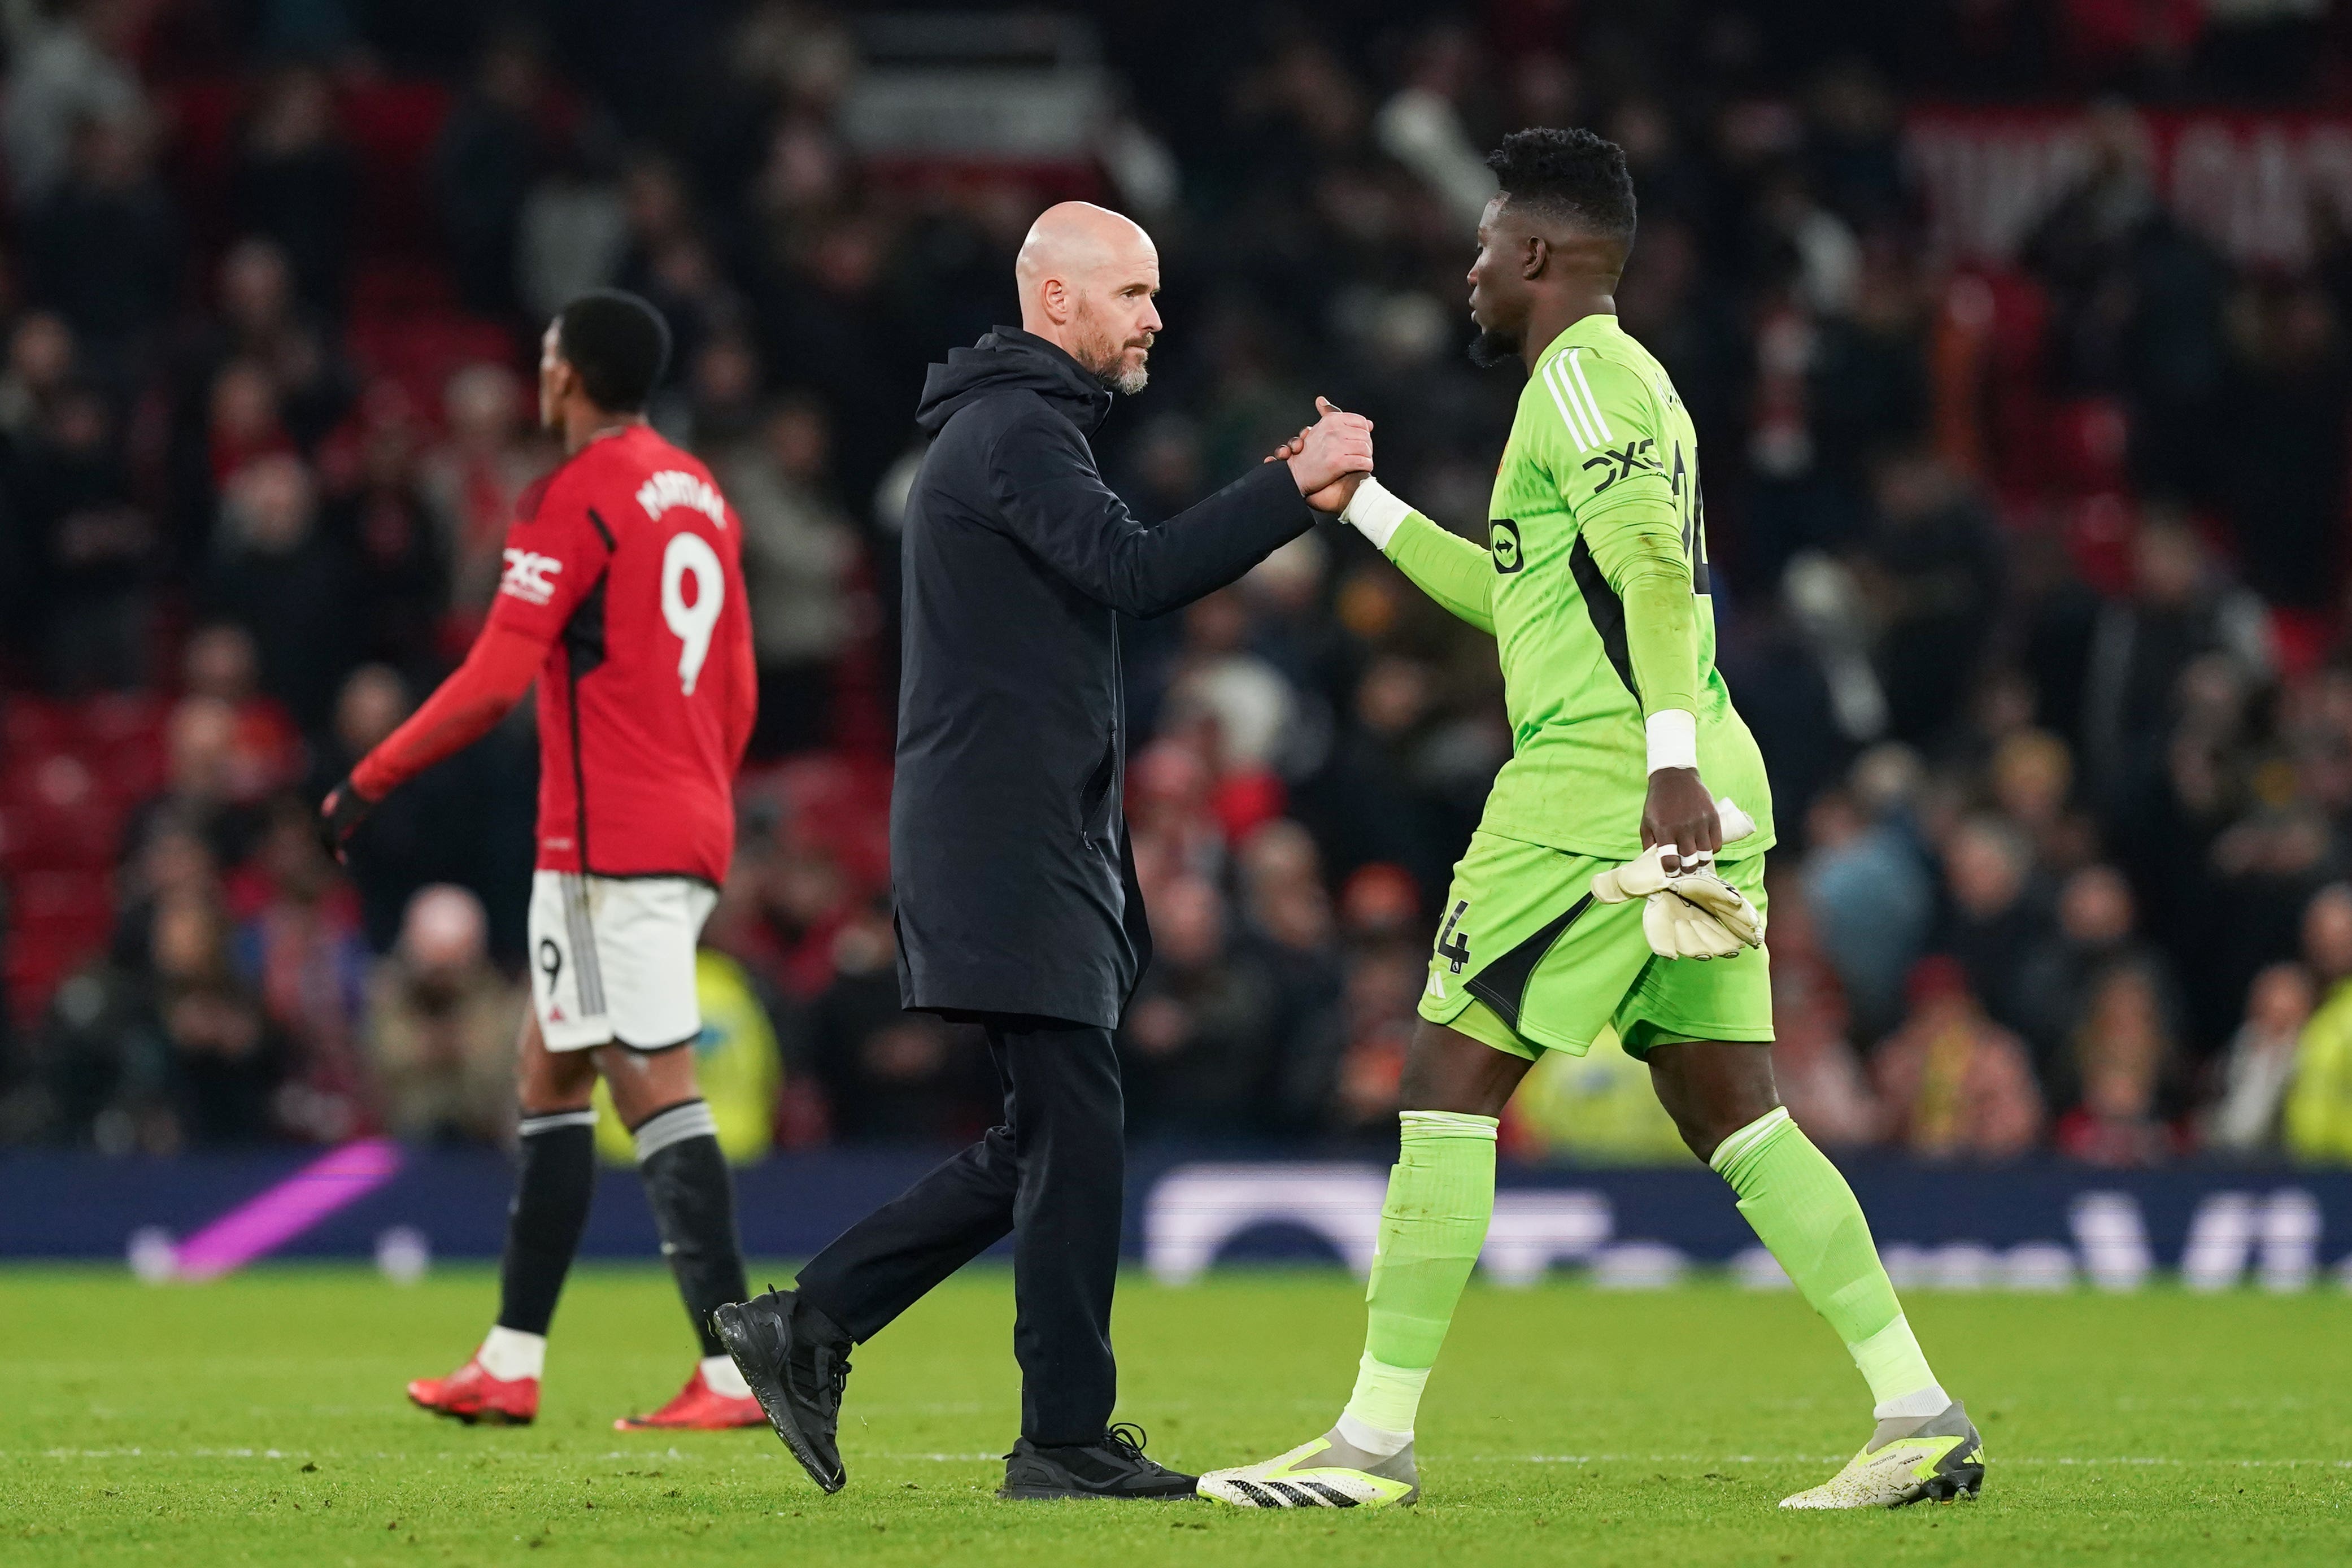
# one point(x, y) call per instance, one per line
point(1585, 331)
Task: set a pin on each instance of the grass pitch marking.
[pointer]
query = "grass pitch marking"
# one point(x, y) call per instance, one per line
point(939, 1459)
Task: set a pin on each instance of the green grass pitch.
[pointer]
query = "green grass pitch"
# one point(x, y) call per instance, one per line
point(260, 1420)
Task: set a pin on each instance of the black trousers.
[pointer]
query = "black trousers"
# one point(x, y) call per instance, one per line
point(1055, 1176)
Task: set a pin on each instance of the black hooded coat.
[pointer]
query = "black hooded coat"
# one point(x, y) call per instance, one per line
point(1009, 854)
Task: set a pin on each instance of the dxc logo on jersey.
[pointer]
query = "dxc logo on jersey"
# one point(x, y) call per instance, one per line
point(527, 576)
point(674, 487)
point(1503, 539)
point(1624, 462)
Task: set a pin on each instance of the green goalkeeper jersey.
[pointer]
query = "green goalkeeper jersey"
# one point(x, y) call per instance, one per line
point(1594, 583)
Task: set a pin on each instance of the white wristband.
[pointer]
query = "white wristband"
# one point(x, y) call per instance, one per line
point(1673, 739)
point(1374, 512)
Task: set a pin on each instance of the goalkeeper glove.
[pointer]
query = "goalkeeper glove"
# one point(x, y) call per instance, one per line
point(1691, 912)
point(339, 816)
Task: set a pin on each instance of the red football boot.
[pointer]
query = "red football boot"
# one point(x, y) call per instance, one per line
point(697, 1408)
point(472, 1395)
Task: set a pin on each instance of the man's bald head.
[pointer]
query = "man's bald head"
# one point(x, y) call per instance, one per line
point(1076, 239)
point(1088, 276)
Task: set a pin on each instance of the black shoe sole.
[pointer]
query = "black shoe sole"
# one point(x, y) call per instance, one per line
point(733, 1332)
point(1173, 1486)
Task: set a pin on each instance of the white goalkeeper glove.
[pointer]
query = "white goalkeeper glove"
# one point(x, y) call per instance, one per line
point(1691, 912)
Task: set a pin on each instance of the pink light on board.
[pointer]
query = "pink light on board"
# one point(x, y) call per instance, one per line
point(267, 1222)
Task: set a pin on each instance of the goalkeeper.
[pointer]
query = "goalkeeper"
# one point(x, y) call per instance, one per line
point(1606, 885)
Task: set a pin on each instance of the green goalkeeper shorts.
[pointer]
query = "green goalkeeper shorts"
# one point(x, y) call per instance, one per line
point(1528, 961)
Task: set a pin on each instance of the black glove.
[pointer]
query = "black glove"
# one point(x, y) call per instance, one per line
point(339, 816)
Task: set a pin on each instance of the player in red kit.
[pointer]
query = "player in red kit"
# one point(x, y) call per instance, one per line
point(624, 598)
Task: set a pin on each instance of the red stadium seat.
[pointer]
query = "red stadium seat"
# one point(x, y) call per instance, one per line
point(836, 802)
point(28, 724)
point(70, 777)
point(2090, 444)
point(122, 740)
point(2016, 410)
point(419, 347)
point(2302, 639)
point(115, 717)
point(60, 919)
point(85, 836)
point(392, 125)
point(203, 112)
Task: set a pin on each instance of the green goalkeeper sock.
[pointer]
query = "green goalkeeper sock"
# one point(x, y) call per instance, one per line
point(1441, 1196)
point(1802, 1210)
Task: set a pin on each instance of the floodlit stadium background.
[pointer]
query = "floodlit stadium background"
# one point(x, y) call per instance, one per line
point(2018, 335)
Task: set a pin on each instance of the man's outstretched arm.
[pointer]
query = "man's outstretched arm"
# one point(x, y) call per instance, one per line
point(462, 710)
point(557, 550)
point(1053, 499)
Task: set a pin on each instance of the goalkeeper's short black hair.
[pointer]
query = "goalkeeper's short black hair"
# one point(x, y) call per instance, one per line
point(619, 344)
point(1573, 174)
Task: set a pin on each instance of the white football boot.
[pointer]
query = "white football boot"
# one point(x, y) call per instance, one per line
point(1329, 1472)
point(1908, 1460)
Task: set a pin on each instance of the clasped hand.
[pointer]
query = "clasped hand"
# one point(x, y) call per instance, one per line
point(1329, 458)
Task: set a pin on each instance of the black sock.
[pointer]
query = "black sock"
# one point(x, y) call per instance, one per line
point(693, 1198)
point(549, 1210)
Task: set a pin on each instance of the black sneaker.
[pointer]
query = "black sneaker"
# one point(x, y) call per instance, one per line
point(1111, 1466)
point(796, 1361)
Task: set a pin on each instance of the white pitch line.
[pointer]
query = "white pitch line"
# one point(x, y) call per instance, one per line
point(675, 1454)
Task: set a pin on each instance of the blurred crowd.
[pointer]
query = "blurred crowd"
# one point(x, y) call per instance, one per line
point(2030, 578)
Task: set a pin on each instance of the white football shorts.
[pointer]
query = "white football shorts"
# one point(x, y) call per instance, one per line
point(611, 959)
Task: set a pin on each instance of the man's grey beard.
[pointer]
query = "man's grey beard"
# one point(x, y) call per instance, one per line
point(1491, 348)
point(1126, 382)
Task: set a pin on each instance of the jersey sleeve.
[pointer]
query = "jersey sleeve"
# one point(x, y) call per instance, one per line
point(498, 670)
point(1603, 452)
point(556, 549)
point(1447, 567)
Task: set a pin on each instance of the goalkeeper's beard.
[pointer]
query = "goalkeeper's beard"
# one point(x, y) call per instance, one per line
point(1492, 347)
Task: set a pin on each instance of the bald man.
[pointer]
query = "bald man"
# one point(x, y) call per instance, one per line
point(1017, 903)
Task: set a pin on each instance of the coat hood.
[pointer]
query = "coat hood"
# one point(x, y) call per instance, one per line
point(1010, 360)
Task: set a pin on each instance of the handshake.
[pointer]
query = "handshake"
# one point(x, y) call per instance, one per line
point(1690, 912)
point(1329, 458)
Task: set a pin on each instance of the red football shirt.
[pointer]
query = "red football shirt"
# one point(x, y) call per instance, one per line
point(628, 563)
